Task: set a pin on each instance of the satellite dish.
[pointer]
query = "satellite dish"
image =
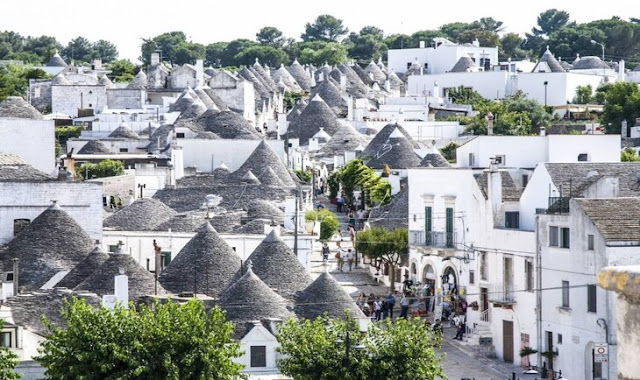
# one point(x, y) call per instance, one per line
point(634, 181)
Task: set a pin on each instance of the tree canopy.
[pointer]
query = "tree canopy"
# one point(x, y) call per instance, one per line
point(389, 246)
point(335, 349)
point(105, 168)
point(325, 28)
point(621, 102)
point(144, 343)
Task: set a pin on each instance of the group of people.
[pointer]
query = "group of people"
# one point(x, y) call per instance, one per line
point(343, 256)
point(382, 307)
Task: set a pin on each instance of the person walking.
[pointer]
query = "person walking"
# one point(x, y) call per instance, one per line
point(350, 258)
point(460, 324)
point(404, 306)
point(325, 252)
point(377, 307)
point(385, 309)
point(341, 257)
point(391, 301)
point(340, 203)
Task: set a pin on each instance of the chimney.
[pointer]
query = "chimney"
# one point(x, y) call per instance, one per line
point(350, 114)
point(155, 59)
point(387, 85)
point(199, 72)
point(283, 124)
point(16, 275)
point(489, 119)
point(494, 182)
point(343, 82)
point(621, 71)
point(436, 90)
point(543, 131)
point(422, 44)
point(623, 129)
point(121, 288)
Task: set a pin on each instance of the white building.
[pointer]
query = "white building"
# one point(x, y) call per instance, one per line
point(441, 56)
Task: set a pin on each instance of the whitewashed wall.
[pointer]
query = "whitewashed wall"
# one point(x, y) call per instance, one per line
point(33, 140)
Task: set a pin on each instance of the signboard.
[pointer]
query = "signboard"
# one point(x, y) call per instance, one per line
point(600, 353)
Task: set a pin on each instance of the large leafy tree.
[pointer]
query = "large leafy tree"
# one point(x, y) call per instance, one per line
point(214, 54)
point(512, 47)
point(621, 102)
point(122, 70)
point(319, 53)
point(14, 79)
point(43, 46)
point(335, 349)
point(367, 45)
point(329, 224)
point(267, 55)
point(188, 52)
point(78, 49)
point(105, 168)
point(271, 36)
point(325, 28)
point(388, 246)
point(105, 50)
point(165, 44)
point(452, 30)
point(167, 341)
point(356, 175)
point(550, 21)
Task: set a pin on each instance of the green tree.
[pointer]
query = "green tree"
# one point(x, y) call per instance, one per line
point(267, 55)
point(484, 37)
point(105, 168)
point(584, 95)
point(214, 54)
point(14, 79)
point(549, 21)
point(271, 36)
point(423, 35)
point(165, 44)
point(449, 151)
point(105, 50)
point(8, 362)
point(489, 24)
point(78, 49)
point(144, 343)
point(188, 52)
point(622, 102)
point(629, 155)
point(398, 41)
point(316, 350)
point(319, 53)
point(389, 246)
point(512, 47)
point(43, 46)
point(452, 30)
point(367, 45)
point(466, 95)
point(121, 69)
point(233, 49)
point(328, 222)
point(325, 28)
point(355, 174)
point(576, 39)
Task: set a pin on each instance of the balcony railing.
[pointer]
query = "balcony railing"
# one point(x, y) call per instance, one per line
point(558, 205)
point(501, 294)
point(439, 239)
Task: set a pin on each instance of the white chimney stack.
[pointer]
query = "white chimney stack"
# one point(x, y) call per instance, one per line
point(621, 70)
point(422, 44)
point(155, 59)
point(199, 72)
point(121, 287)
point(543, 131)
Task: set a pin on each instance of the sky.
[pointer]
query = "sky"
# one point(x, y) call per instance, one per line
point(125, 23)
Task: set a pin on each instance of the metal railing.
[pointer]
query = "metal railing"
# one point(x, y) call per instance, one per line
point(558, 205)
point(439, 239)
point(485, 316)
point(503, 294)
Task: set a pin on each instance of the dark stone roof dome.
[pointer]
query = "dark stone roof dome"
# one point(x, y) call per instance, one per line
point(94, 147)
point(262, 158)
point(16, 106)
point(331, 96)
point(397, 152)
point(228, 125)
point(315, 116)
point(325, 295)
point(144, 214)
point(589, 63)
point(84, 269)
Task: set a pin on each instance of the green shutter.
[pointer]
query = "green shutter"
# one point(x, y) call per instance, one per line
point(427, 225)
point(449, 227)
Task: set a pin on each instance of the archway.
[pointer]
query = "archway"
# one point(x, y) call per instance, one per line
point(429, 278)
point(413, 272)
point(449, 281)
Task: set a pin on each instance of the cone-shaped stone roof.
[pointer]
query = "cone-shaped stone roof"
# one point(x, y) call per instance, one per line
point(53, 242)
point(206, 265)
point(16, 106)
point(346, 139)
point(262, 158)
point(282, 74)
point(378, 76)
point(300, 75)
point(222, 106)
point(60, 80)
point(94, 147)
point(364, 77)
point(397, 152)
point(56, 61)
point(270, 178)
point(206, 99)
point(315, 116)
point(124, 132)
point(264, 209)
point(84, 269)
point(325, 295)
point(105, 81)
point(434, 159)
point(276, 264)
point(332, 96)
point(264, 76)
point(250, 178)
point(228, 125)
point(139, 82)
point(590, 63)
point(145, 214)
point(551, 61)
point(141, 282)
point(296, 110)
point(464, 64)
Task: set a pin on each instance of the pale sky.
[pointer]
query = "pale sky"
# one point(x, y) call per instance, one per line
point(126, 22)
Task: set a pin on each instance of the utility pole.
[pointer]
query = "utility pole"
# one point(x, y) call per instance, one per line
point(295, 221)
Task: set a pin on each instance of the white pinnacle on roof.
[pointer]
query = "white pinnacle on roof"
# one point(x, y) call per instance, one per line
point(223, 166)
point(317, 98)
point(322, 134)
point(396, 134)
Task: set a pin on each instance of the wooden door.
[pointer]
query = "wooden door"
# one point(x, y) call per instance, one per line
point(507, 341)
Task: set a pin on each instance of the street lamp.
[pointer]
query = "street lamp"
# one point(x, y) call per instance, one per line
point(545, 92)
point(601, 45)
point(346, 360)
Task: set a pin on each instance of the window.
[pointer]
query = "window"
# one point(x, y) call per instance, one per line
point(426, 66)
point(483, 266)
point(472, 159)
point(559, 338)
point(258, 356)
point(124, 150)
point(113, 248)
point(5, 339)
point(583, 157)
point(449, 227)
point(166, 259)
point(565, 294)
point(590, 242)
point(408, 65)
point(528, 272)
point(500, 159)
point(512, 219)
point(592, 299)
point(564, 237)
point(553, 236)
point(428, 226)
point(19, 225)
point(525, 180)
point(180, 135)
point(472, 277)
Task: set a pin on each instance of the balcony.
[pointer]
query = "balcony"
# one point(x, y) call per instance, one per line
point(501, 295)
point(558, 205)
point(436, 239)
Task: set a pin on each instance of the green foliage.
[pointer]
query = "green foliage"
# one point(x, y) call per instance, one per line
point(315, 350)
point(333, 182)
point(368, 45)
point(549, 21)
point(328, 222)
point(291, 98)
point(355, 174)
point(78, 49)
point(14, 79)
point(449, 151)
point(621, 102)
point(389, 246)
point(512, 46)
point(629, 155)
point(31, 50)
point(325, 28)
point(319, 53)
point(8, 362)
point(105, 50)
point(165, 44)
point(166, 341)
point(267, 55)
point(270, 36)
point(105, 168)
point(466, 95)
point(65, 133)
point(584, 95)
point(122, 70)
point(304, 175)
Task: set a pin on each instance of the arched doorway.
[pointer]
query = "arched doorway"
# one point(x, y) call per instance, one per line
point(429, 279)
point(413, 273)
point(449, 281)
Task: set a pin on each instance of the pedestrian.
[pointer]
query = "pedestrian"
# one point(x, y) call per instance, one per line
point(325, 252)
point(404, 306)
point(391, 301)
point(352, 233)
point(461, 327)
point(377, 307)
point(350, 258)
point(340, 203)
point(456, 323)
point(341, 257)
point(385, 309)
point(370, 300)
point(425, 296)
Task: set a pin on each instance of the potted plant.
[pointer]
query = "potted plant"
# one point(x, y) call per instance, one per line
point(549, 355)
point(524, 353)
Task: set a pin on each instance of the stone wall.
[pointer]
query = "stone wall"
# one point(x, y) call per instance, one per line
point(122, 98)
point(40, 94)
point(68, 99)
point(122, 186)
